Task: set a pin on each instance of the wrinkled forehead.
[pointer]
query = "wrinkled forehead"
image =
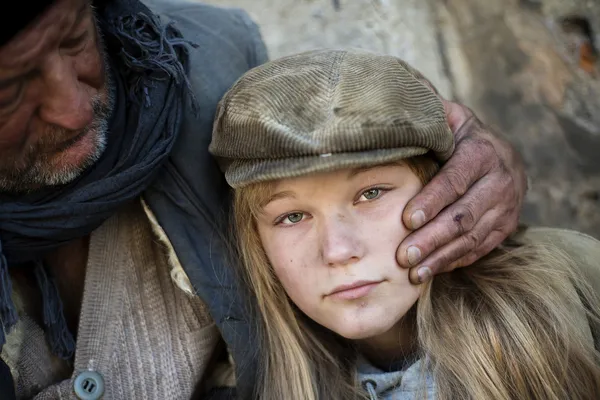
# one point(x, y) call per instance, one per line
point(26, 46)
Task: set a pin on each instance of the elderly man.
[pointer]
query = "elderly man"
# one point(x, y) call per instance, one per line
point(114, 280)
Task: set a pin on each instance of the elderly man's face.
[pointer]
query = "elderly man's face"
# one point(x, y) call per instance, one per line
point(54, 99)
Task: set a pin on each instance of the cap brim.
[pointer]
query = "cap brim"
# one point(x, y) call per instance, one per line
point(242, 172)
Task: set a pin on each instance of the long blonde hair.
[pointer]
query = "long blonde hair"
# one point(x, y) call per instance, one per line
point(510, 327)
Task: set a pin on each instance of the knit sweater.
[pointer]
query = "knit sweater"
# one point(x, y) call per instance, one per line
point(409, 382)
point(142, 334)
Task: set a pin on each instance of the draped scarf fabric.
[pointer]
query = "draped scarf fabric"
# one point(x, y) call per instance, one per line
point(149, 74)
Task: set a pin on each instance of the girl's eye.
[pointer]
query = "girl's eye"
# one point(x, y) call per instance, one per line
point(370, 194)
point(292, 218)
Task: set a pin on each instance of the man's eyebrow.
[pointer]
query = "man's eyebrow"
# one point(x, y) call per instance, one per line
point(81, 13)
point(6, 83)
point(9, 82)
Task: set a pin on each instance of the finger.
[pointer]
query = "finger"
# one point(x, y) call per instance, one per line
point(494, 239)
point(449, 184)
point(456, 114)
point(417, 276)
point(441, 259)
point(452, 222)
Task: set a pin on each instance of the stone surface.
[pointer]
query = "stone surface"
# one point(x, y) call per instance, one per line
point(402, 28)
point(512, 61)
point(521, 75)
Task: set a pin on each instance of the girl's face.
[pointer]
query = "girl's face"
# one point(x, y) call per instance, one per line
point(332, 238)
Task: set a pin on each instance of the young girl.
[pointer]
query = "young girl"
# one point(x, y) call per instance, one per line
point(324, 149)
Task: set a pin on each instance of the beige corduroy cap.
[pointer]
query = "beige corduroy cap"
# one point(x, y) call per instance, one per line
point(325, 110)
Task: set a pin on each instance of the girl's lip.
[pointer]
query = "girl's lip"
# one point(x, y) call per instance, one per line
point(354, 291)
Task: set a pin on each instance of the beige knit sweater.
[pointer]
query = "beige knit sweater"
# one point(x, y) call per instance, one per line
point(145, 336)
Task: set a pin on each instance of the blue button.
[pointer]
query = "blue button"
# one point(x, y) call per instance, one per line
point(89, 385)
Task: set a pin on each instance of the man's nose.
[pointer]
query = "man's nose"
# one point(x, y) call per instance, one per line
point(66, 103)
point(341, 243)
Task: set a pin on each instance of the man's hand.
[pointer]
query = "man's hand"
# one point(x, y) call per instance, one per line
point(469, 207)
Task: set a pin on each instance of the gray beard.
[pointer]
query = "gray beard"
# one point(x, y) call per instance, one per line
point(45, 177)
point(39, 172)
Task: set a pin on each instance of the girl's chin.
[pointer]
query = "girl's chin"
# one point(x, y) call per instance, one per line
point(360, 331)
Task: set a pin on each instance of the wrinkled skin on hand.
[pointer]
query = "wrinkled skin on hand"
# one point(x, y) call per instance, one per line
point(469, 207)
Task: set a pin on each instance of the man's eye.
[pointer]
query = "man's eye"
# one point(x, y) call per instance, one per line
point(74, 42)
point(292, 218)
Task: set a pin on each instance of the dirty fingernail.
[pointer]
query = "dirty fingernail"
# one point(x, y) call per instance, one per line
point(417, 219)
point(424, 274)
point(414, 255)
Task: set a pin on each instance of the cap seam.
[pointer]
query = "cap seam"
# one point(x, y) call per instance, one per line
point(252, 116)
point(283, 157)
point(337, 153)
point(334, 80)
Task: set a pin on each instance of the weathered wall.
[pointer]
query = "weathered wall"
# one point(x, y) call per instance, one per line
point(403, 28)
point(512, 61)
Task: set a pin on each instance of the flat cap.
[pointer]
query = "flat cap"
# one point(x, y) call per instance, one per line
point(325, 110)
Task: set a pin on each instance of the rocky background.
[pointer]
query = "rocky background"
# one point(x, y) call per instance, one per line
point(529, 68)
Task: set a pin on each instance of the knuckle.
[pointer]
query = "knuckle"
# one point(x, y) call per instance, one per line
point(463, 218)
point(481, 147)
point(440, 263)
point(511, 226)
point(470, 259)
point(456, 264)
point(508, 213)
point(482, 151)
point(470, 114)
point(427, 200)
point(486, 149)
point(505, 221)
point(509, 152)
point(470, 241)
point(487, 246)
point(452, 255)
point(455, 182)
point(465, 261)
point(506, 179)
point(482, 251)
point(427, 239)
point(436, 240)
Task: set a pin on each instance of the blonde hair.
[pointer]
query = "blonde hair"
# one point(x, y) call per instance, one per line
point(511, 326)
